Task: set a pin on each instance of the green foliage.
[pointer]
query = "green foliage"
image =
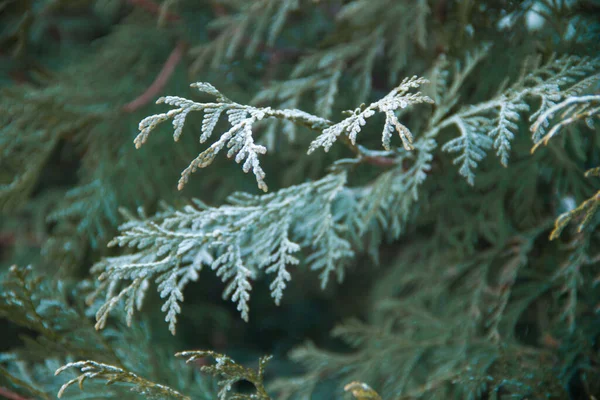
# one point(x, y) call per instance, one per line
point(237, 20)
point(470, 298)
point(494, 123)
point(398, 98)
point(80, 108)
point(111, 374)
point(228, 373)
point(60, 330)
point(254, 233)
point(238, 139)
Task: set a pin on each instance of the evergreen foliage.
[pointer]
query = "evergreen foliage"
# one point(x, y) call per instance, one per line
point(456, 277)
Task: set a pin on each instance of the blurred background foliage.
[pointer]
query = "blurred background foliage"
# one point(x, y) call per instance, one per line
point(77, 76)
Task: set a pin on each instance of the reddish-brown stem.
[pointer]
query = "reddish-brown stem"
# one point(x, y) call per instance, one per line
point(153, 8)
point(7, 394)
point(160, 81)
point(380, 161)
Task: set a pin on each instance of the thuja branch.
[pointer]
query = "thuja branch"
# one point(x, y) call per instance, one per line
point(111, 374)
point(239, 137)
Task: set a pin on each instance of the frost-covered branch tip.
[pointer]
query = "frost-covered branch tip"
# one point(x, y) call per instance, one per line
point(398, 98)
point(495, 123)
point(238, 139)
point(228, 372)
point(572, 109)
point(111, 374)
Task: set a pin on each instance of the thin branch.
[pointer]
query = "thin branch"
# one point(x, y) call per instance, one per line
point(160, 81)
point(549, 114)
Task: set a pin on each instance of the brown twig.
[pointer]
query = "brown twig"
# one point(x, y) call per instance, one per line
point(380, 161)
point(7, 394)
point(160, 81)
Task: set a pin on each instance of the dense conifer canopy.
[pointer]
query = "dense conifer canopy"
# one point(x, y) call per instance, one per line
point(414, 213)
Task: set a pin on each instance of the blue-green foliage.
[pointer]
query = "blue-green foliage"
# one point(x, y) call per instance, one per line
point(481, 274)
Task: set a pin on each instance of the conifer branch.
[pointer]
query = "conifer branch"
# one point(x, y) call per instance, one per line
point(583, 213)
point(573, 109)
point(398, 98)
point(468, 277)
point(111, 374)
point(229, 372)
point(239, 138)
point(494, 123)
point(251, 234)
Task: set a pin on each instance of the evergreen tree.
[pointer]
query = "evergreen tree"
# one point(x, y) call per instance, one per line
point(438, 240)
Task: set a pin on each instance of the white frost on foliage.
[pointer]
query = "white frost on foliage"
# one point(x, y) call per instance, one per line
point(249, 236)
point(238, 138)
point(397, 99)
point(495, 123)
